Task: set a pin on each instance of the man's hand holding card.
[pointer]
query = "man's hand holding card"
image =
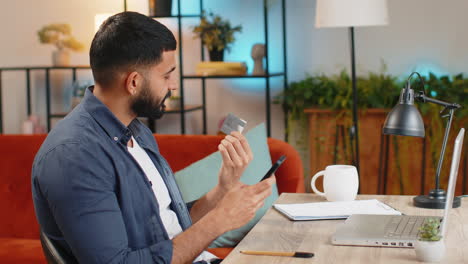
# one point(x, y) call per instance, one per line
point(235, 151)
point(236, 154)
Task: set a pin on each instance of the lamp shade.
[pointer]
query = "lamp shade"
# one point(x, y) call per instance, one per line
point(351, 13)
point(404, 119)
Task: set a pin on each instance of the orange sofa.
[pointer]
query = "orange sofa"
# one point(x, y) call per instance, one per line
point(19, 231)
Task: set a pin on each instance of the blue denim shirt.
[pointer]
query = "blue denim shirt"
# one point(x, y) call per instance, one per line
point(92, 197)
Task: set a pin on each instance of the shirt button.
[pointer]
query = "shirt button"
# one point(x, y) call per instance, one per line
point(116, 138)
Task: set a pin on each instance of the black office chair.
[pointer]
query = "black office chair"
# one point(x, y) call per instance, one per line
point(54, 253)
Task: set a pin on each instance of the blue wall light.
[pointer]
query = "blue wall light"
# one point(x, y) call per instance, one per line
point(424, 68)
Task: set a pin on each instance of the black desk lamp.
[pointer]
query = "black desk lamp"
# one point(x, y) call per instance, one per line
point(405, 120)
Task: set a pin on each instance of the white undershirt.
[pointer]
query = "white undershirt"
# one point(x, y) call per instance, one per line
point(168, 217)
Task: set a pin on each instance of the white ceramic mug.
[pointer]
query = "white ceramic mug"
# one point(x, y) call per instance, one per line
point(340, 183)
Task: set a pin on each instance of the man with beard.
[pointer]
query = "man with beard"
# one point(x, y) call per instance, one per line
point(101, 190)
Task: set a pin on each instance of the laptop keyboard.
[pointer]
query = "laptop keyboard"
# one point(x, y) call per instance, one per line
point(406, 227)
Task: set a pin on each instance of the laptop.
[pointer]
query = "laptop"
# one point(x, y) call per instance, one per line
point(396, 230)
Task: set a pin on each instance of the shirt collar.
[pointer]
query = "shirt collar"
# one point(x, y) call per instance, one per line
point(115, 129)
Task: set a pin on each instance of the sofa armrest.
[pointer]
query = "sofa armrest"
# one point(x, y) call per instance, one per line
point(290, 175)
point(182, 150)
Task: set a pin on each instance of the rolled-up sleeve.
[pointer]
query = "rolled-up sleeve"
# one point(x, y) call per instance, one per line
point(190, 205)
point(80, 189)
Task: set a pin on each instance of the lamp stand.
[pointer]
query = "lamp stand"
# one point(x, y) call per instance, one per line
point(354, 129)
point(437, 197)
point(435, 200)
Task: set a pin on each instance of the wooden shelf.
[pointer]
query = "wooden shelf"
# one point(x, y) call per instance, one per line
point(188, 108)
point(195, 76)
point(176, 16)
point(45, 68)
point(58, 115)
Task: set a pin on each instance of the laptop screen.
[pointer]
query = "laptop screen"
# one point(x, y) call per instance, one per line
point(452, 178)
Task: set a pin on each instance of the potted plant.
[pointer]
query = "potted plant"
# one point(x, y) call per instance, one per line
point(430, 246)
point(173, 102)
point(160, 8)
point(318, 115)
point(216, 34)
point(60, 36)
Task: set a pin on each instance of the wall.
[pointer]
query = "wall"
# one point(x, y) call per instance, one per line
point(423, 35)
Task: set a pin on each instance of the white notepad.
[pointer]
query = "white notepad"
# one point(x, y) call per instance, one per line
point(334, 210)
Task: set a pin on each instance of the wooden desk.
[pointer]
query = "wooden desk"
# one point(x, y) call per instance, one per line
point(275, 232)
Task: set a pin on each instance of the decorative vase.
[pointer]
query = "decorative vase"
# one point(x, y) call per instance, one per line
point(160, 8)
point(258, 53)
point(430, 251)
point(61, 57)
point(216, 55)
point(78, 91)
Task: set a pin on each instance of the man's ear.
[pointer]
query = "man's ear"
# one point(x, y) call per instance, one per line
point(133, 82)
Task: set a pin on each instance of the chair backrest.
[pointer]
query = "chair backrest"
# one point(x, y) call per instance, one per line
point(54, 253)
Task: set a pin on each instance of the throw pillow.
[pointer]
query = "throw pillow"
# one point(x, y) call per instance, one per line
point(200, 177)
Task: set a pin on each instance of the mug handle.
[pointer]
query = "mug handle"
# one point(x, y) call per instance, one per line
point(312, 183)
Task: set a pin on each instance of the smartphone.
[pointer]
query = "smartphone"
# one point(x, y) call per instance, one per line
point(274, 167)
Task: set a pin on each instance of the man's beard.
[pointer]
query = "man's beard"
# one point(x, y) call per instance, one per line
point(144, 105)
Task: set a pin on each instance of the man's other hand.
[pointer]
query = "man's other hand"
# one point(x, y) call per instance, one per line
point(241, 202)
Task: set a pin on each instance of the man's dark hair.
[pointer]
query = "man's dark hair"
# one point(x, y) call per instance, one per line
point(125, 42)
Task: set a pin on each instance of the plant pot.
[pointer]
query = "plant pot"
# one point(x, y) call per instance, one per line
point(161, 8)
point(216, 55)
point(75, 101)
point(173, 104)
point(61, 58)
point(393, 164)
point(430, 251)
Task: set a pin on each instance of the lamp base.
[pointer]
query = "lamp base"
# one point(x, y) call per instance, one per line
point(435, 200)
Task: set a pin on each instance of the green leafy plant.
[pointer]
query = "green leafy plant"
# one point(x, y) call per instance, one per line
point(375, 90)
point(216, 33)
point(60, 36)
point(430, 230)
point(334, 92)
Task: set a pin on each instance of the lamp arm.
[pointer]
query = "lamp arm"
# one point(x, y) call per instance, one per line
point(444, 145)
point(422, 97)
point(421, 79)
point(447, 106)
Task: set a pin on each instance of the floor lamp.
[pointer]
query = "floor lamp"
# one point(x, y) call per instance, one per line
point(351, 13)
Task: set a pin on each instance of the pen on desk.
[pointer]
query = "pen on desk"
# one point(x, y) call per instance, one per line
point(282, 254)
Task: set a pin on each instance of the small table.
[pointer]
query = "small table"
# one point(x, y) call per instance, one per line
point(275, 232)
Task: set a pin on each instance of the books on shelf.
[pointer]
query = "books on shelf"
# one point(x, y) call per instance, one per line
point(206, 68)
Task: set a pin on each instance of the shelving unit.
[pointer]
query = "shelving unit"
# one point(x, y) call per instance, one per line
point(47, 70)
point(203, 79)
point(194, 76)
point(184, 108)
point(49, 115)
